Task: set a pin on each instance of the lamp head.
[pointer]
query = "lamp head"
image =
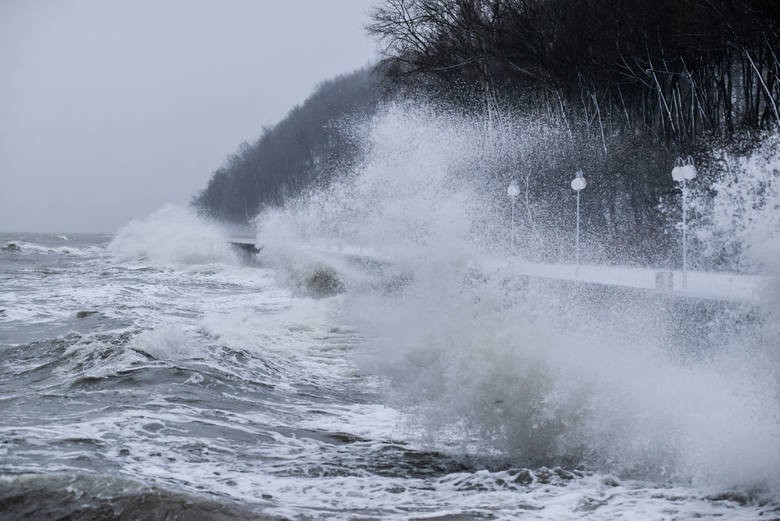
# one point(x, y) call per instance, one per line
point(513, 190)
point(684, 170)
point(578, 183)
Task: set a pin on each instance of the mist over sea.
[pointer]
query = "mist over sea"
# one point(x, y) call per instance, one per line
point(377, 359)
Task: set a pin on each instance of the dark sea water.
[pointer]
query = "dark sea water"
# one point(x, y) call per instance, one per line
point(173, 380)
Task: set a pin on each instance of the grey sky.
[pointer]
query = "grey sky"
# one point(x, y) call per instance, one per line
point(109, 109)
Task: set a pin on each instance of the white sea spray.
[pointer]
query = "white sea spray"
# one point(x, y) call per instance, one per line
point(172, 234)
point(543, 376)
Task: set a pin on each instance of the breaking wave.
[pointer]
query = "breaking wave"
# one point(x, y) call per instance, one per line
point(172, 235)
point(537, 372)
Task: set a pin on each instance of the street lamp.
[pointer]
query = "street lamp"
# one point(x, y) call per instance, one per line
point(577, 184)
point(684, 171)
point(513, 191)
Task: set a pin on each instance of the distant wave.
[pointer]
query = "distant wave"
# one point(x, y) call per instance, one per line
point(25, 248)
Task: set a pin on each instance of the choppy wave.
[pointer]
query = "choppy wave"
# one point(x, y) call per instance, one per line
point(86, 497)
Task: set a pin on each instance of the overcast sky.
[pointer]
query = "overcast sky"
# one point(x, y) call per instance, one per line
point(111, 108)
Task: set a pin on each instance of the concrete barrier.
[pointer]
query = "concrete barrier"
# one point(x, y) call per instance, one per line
point(664, 281)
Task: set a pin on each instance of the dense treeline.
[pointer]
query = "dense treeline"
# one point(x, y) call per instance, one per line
point(673, 68)
point(632, 83)
point(298, 153)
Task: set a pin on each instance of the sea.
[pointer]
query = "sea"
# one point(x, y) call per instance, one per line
point(160, 373)
point(381, 358)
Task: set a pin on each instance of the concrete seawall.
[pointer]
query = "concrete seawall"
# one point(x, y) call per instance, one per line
point(682, 323)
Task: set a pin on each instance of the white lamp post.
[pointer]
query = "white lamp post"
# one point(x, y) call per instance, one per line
point(577, 184)
point(684, 171)
point(513, 191)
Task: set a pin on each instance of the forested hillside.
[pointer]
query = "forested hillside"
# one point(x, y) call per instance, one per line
point(616, 88)
point(299, 152)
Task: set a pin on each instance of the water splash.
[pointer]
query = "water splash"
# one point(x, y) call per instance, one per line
point(172, 234)
point(540, 373)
